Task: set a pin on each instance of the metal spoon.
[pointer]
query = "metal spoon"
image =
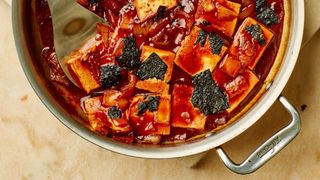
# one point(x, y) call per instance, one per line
point(73, 25)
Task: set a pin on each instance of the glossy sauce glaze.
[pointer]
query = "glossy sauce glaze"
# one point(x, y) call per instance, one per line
point(166, 31)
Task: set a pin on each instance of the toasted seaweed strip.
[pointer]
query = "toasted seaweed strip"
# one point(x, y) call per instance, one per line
point(257, 34)
point(142, 108)
point(203, 79)
point(110, 75)
point(202, 38)
point(216, 43)
point(151, 104)
point(114, 113)
point(260, 5)
point(207, 95)
point(152, 67)
point(130, 58)
point(161, 13)
point(206, 23)
point(268, 16)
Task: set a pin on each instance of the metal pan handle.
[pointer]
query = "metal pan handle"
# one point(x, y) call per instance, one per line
point(268, 149)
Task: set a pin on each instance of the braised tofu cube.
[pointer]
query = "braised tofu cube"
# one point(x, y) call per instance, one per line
point(98, 124)
point(184, 114)
point(118, 120)
point(231, 65)
point(156, 70)
point(221, 15)
point(250, 42)
point(114, 98)
point(82, 73)
point(239, 88)
point(200, 51)
point(149, 8)
point(78, 65)
point(150, 114)
point(105, 119)
point(92, 105)
point(103, 123)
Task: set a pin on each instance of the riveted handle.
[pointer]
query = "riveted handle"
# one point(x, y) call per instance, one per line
point(268, 149)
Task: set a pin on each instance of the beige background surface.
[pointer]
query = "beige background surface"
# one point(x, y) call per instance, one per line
point(35, 145)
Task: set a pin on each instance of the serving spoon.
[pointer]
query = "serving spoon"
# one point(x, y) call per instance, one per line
point(73, 25)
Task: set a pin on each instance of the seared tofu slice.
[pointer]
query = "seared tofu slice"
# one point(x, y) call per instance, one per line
point(184, 114)
point(150, 114)
point(104, 119)
point(149, 8)
point(221, 15)
point(199, 52)
point(82, 73)
point(250, 42)
point(156, 70)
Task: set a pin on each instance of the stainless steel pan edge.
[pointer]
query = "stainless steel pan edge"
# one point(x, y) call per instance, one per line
point(156, 152)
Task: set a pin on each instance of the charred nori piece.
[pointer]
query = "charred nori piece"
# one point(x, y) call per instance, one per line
point(206, 23)
point(256, 32)
point(142, 108)
point(215, 41)
point(152, 104)
point(260, 5)
point(268, 16)
point(152, 67)
point(202, 38)
point(114, 113)
point(130, 57)
point(110, 75)
point(93, 1)
point(207, 95)
point(161, 13)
